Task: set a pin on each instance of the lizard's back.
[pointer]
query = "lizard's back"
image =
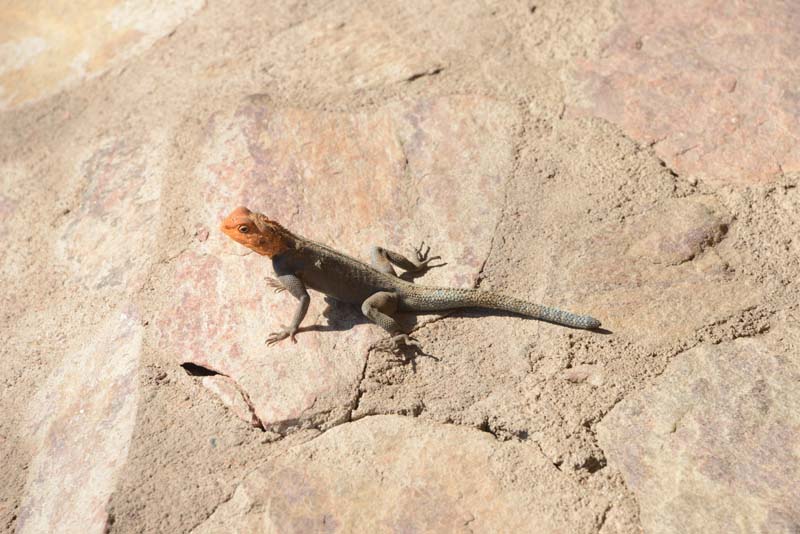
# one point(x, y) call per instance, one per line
point(349, 280)
point(336, 274)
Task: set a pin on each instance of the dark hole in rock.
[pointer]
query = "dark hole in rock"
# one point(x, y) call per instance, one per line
point(197, 370)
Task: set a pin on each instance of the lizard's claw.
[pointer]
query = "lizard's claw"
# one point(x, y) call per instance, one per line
point(281, 334)
point(275, 284)
point(422, 255)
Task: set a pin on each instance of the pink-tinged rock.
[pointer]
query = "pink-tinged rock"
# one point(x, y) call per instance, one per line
point(679, 230)
point(202, 233)
point(80, 426)
point(395, 176)
point(47, 47)
point(106, 242)
point(397, 474)
point(356, 48)
point(712, 83)
point(661, 275)
point(712, 446)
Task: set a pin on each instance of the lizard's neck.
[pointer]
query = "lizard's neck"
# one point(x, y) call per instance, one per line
point(274, 239)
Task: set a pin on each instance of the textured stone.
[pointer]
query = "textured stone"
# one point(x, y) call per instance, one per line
point(590, 222)
point(590, 374)
point(712, 83)
point(15, 255)
point(665, 263)
point(394, 176)
point(692, 226)
point(232, 396)
point(107, 240)
point(712, 445)
point(390, 473)
point(80, 426)
point(48, 46)
point(356, 49)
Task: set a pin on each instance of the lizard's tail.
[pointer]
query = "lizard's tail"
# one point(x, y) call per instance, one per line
point(439, 299)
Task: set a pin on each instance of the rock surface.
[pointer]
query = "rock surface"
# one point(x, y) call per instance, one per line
point(710, 83)
point(120, 186)
point(128, 129)
point(81, 421)
point(406, 477)
point(285, 163)
point(669, 261)
point(712, 445)
point(41, 54)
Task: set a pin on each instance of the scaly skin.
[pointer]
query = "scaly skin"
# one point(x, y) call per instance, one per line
point(300, 263)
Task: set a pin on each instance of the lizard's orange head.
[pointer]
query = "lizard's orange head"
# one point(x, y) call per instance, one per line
point(255, 231)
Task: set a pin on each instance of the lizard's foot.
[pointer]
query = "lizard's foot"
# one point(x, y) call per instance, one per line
point(281, 334)
point(275, 284)
point(422, 256)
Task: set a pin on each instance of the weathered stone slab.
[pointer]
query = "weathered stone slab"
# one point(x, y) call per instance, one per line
point(396, 474)
point(44, 48)
point(662, 274)
point(355, 48)
point(80, 425)
point(712, 83)
point(712, 445)
point(16, 253)
point(106, 242)
point(232, 396)
point(393, 176)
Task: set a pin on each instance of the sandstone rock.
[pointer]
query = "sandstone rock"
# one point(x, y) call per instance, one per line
point(711, 83)
point(231, 395)
point(356, 49)
point(81, 422)
point(712, 445)
point(45, 50)
point(413, 170)
point(390, 473)
point(585, 373)
point(663, 274)
point(692, 225)
point(15, 254)
point(106, 242)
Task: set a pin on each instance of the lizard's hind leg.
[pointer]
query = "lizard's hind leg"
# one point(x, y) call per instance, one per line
point(379, 308)
point(382, 259)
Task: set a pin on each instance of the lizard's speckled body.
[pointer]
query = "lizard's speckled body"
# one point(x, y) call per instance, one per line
point(300, 263)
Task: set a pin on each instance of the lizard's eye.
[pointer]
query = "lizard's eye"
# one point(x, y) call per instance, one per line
point(244, 229)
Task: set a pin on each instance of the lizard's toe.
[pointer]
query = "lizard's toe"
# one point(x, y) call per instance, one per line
point(281, 334)
point(275, 284)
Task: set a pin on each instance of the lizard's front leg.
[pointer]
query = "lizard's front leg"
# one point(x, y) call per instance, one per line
point(379, 308)
point(296, 287)
point(382, 259)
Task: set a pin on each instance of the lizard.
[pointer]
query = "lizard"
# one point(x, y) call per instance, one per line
point(301, 264)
